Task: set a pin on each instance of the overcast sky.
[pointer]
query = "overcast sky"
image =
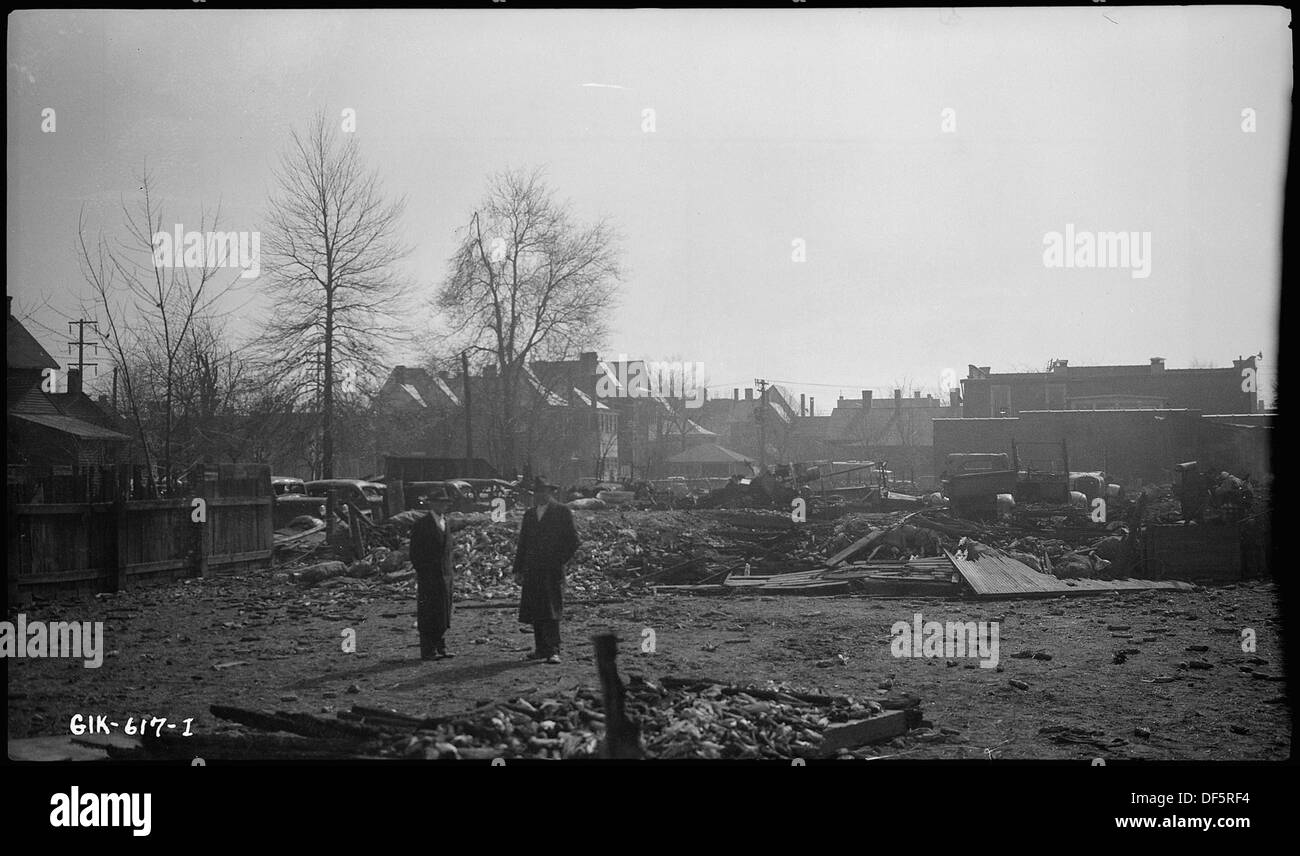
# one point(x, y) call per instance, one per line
point(924, 246)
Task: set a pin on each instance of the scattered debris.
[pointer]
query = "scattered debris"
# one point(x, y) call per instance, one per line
point(677, 718)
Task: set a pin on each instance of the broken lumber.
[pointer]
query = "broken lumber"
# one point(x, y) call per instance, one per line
point(302, 724)
point(890, 724)
point(856, 547)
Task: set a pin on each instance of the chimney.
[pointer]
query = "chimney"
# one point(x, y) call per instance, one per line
point(1157, 365)
point(898, 399)
point(588, 360)
point(735, 393)
point(916, 393)
point(954, 398)
point(1059, 366)
point(866, 400)
point(74, 381)
point(812, 406)
point(803, 404)
point(749, 394)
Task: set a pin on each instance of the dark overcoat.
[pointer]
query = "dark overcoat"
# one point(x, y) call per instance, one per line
point(431, 556)
point(544, 547)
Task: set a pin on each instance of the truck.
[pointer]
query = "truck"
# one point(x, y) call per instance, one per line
point(1033, 472)
point(1042, 471)
point(972, 481)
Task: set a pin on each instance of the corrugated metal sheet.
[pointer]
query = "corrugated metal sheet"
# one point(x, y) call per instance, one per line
point(995, 574)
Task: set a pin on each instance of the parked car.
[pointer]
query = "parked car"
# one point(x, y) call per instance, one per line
point(490, 489)
point(461, 494)
point(282, 485)
point(362, 494)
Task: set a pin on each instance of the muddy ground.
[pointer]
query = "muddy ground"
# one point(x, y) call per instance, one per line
point(166, 643)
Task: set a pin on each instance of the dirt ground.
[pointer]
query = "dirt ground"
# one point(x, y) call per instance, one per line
point(165, 643)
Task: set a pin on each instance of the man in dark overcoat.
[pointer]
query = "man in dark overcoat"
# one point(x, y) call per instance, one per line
point(431, 556)
point(547, 541)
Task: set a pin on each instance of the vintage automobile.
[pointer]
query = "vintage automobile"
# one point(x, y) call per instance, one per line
point(972, 481)
point(363, 494)
point(461, 494)
point(490, 489)
point(283, 485)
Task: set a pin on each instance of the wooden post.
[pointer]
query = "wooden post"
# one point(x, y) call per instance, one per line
point(354, 526)
point(622, 736)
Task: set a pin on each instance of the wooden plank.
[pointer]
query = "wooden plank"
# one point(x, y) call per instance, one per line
point(890, 724)
point(856, 547)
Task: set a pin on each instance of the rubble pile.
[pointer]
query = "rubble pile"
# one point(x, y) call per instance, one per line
point(620, 552)
point(632, 550)
point(677, 718)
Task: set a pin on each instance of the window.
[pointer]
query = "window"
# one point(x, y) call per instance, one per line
point(1000, 395)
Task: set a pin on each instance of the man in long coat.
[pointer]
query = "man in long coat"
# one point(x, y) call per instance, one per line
point(431, 556)
point(547, 541)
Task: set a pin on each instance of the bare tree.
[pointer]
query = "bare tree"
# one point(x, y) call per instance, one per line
point(150, 310)
point(332, 247)
point(526, 282)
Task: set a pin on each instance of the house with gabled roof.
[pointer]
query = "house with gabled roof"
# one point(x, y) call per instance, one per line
point(57, 442)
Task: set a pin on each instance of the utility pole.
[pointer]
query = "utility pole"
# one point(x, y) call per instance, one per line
point(81, 344)
point(469, 425)
point(761, 383)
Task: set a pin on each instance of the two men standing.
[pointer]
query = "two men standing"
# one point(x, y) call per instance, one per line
point(547, 541)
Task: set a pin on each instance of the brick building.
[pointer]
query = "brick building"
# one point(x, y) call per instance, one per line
point(1134, 447)
point(1152, 386)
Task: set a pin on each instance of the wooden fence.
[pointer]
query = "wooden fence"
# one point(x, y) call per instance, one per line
point(89, 547)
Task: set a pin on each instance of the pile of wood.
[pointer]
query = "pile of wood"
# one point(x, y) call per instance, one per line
point(675, 718)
